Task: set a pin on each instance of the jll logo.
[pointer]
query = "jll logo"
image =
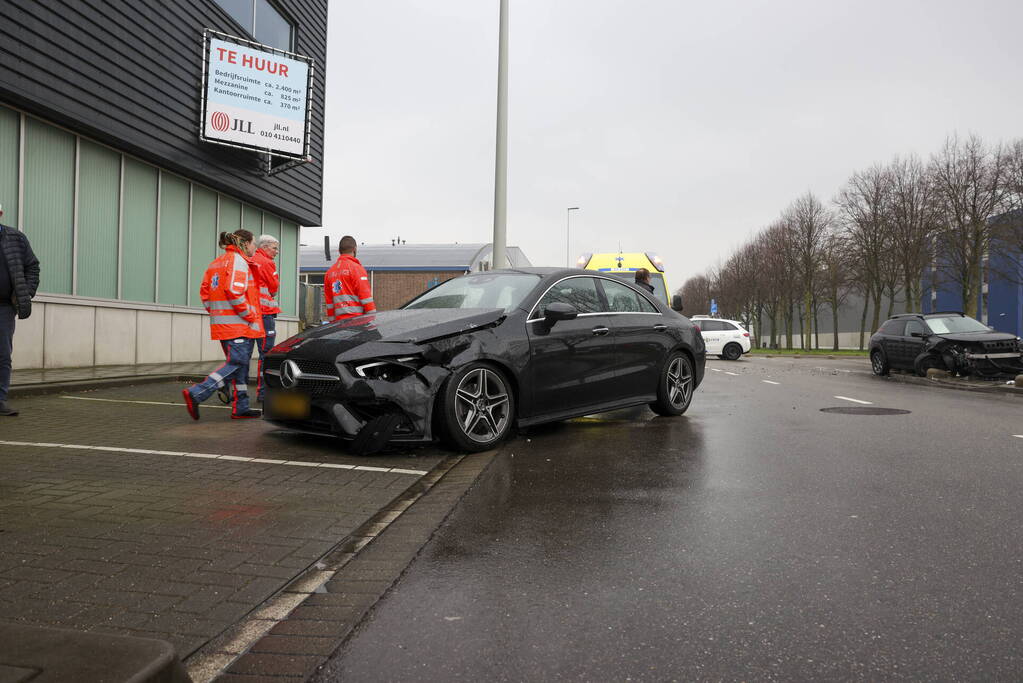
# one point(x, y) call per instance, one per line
point(220, 121)
point(243, 126)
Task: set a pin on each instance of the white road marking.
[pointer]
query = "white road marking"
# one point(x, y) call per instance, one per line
point(1018, 436)
point(733, 374)
point(147, 403)
point(855, 400)
point(767, 381)
point(715, 369)
point(211, 456)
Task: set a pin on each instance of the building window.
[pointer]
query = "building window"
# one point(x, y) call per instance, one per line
point(262, 20)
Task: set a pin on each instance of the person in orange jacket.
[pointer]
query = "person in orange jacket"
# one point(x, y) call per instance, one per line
point(267, 247)
point(346, 288)
point(231, 296)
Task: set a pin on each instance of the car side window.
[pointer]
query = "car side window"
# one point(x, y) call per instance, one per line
point(578, 292)
point(623, 299)
point(710, 325)
point(894, 327)
point(729, 327)
point(915, 326)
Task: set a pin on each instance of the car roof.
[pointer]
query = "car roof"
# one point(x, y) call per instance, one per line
point(935, 314)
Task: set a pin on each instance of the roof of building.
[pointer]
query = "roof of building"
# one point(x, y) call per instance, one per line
point(382, 257)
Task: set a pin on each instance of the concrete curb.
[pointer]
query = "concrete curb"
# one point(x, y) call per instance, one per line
point(954, 384)
point(43, 388)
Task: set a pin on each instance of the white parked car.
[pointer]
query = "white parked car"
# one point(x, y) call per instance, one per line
point(727, 339)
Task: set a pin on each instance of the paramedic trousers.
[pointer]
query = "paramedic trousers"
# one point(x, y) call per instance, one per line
point(234, 371)
point(264, 346)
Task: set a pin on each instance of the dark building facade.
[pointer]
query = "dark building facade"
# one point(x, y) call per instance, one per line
point(102, 167)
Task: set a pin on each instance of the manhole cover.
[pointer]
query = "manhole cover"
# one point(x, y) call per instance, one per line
point(864, 410)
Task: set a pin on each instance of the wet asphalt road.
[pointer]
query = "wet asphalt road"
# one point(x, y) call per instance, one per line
point(755, 538)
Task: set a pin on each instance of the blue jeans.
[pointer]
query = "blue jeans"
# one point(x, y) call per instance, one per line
point(7, 318)
point(236, 371)
point(264, 346)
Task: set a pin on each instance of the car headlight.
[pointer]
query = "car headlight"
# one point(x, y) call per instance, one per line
point(389, 369)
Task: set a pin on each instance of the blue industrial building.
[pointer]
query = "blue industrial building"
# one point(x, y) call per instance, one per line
point(1000, 299)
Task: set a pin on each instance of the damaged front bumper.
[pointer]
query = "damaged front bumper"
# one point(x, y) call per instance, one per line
point(349, 399)
point(966, 362)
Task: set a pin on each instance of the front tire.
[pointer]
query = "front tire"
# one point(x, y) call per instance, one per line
point(675, 386)
point(476, 409)
point(878, 363)
point(732, 351)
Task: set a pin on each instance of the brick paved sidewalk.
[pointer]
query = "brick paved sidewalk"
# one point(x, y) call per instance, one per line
point(162, 543)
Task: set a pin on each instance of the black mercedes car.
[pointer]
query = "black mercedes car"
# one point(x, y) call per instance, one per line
point(470, 358)
point(947, 341)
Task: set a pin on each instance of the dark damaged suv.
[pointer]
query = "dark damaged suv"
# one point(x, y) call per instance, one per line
point(947, 341)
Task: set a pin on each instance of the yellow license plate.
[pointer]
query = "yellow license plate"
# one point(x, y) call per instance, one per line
point(289, 406)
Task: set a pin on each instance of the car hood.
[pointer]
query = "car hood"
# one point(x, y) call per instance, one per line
point(397, 329)
point(977, 337)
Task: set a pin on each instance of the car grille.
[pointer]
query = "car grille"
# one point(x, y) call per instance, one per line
point(314, 387)
point(1006, 346)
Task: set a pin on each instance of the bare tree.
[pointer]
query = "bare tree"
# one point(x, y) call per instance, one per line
point(696, 294)
point(834, 278)
point(969, 181)
point(867, 233)
point(810, 222)
point(780, 278)
point(911, 208)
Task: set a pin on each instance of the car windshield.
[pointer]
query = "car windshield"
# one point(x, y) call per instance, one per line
point(956, 323)
point(656, 281)
point(483, 290)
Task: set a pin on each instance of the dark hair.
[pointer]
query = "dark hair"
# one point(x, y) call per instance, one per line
point(642, 275)
point(347, 245)
point(237, 239)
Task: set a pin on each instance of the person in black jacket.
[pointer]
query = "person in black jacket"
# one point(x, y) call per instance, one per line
point(643, 279)
point(19, 279)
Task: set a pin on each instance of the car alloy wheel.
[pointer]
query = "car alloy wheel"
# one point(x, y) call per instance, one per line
point(733, 352)
point(675, 391)
point(482, 406)
point(878, 363)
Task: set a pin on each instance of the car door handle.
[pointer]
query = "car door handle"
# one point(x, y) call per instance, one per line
point(600, 331)
point(660, 328)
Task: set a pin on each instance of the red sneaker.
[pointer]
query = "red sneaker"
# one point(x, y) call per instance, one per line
point(193, 407)
point(247, 415)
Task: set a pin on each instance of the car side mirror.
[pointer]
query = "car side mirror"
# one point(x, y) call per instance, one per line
point(676, 303)
point(557, 312)
point(921, 335)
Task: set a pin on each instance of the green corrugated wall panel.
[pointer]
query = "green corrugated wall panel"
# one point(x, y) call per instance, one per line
point(272, 225)
point(252, 220)
point(287, 266)
point(173, 240)
point(230, 214)
point(99, 189)
point(138, 232)
point(49, 202)
point(10, 141)
point(204, 238)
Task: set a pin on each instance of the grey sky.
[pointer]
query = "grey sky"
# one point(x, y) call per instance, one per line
point(677, 127)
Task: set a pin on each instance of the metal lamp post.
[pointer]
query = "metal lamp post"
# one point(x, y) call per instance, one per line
point(568, 233)
point(501, 162)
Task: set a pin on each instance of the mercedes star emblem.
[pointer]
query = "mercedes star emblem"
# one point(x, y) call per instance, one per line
point(290, 374)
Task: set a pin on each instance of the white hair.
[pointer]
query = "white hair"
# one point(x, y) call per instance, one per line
point(265, 240)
